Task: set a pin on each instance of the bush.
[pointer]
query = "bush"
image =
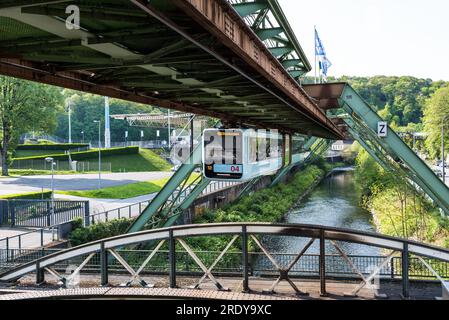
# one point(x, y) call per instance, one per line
point(99, 231)
point(28, 196)
point(91, 154)
point(55, 146)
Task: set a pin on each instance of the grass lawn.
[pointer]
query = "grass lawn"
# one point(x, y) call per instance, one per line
point(123, 192)
point(145, 161)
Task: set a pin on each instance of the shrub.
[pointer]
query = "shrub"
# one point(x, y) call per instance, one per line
point(99, 231)
point(55, 146)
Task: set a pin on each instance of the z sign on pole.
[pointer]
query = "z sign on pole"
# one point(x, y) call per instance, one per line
point(382, 129)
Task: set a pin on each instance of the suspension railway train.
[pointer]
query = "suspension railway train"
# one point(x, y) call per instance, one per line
point(243, 154)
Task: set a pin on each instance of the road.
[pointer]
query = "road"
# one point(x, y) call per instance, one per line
point(75, 182)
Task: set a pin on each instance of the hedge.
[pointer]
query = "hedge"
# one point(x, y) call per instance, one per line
point(56, 146)
point(91, 154)
point(27, 196)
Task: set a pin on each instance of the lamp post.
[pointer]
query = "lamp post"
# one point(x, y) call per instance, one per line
point(69, 108)
point(82, 136)
point(52, 209)
point(99, 152)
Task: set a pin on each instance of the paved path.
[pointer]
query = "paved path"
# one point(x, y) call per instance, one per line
point(76, 181)
point(27, 241)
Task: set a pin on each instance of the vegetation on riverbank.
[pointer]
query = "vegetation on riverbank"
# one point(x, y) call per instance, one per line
point(265, 205)
point(397, 208)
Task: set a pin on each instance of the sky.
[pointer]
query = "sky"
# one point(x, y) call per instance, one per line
point(376, 37)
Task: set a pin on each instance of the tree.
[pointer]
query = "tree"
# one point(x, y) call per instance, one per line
point(24, 106)
point(436, 114)
point(88, 107)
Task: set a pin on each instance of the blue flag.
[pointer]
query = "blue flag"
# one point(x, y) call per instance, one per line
point(320, 53)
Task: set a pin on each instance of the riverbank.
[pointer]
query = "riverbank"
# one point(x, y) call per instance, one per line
point(396, 207)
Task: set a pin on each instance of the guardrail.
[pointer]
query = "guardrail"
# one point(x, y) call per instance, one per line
point(28, 240)
point(247, 232)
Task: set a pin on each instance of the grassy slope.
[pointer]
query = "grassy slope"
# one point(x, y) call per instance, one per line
point(123, 192)
point(145, 161)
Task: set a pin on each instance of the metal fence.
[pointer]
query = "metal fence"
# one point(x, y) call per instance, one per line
point(78, 166)
point(231, 264)
point(38, 213)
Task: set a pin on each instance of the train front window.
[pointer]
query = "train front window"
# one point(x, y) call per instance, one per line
point(223, 147)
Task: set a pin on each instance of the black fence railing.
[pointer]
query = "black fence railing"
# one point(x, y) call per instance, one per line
point(39, 213)
point(259, 266)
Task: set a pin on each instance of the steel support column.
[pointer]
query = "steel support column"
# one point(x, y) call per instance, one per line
point(405, 272)
point(245, 260)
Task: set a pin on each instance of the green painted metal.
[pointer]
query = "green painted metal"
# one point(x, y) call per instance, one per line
point(161, 198)
point(417, 169)
point(259, 15)
point(265, 34)
point(248, 8)
point(279, 51)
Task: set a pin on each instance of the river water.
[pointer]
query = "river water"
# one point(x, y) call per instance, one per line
point(334, 202)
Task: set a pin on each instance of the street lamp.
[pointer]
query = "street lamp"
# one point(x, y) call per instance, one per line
point(52, 212)
point(69, 109)
point(99, 152)
point(82, 135)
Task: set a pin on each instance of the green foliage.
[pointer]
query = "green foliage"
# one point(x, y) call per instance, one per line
point(99, 231)
point(24, 106)
point(88, 107)
point(28, 196)
point(52, 146)
point(398, 209)
point(400, 100)
point(436, 114)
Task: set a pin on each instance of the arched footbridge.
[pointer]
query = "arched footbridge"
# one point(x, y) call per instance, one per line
point(172, 247)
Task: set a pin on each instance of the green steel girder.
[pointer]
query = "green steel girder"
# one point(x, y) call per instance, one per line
point(265, 34)
point(418, 170)
point(291, 63)
point(296, 73)
point(280, 51)
point(245, 9)
point(271, 30)
point(181, 175)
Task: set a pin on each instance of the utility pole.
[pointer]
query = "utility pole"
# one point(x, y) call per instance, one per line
point(69, 107)
point(107, 124)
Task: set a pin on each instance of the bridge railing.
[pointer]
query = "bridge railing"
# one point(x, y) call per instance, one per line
point(259, 266)
point(401, 256)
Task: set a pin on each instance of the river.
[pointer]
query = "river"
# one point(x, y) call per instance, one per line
point(334, 202)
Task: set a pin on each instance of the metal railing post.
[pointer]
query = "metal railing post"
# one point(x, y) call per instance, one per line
point(405, 272)
point(7, 249)
point(322, 264)
point(104, 266)
point(172, 259)
point(245, 260)
point(40, 275)
point(42, 237)
point(86, 214)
